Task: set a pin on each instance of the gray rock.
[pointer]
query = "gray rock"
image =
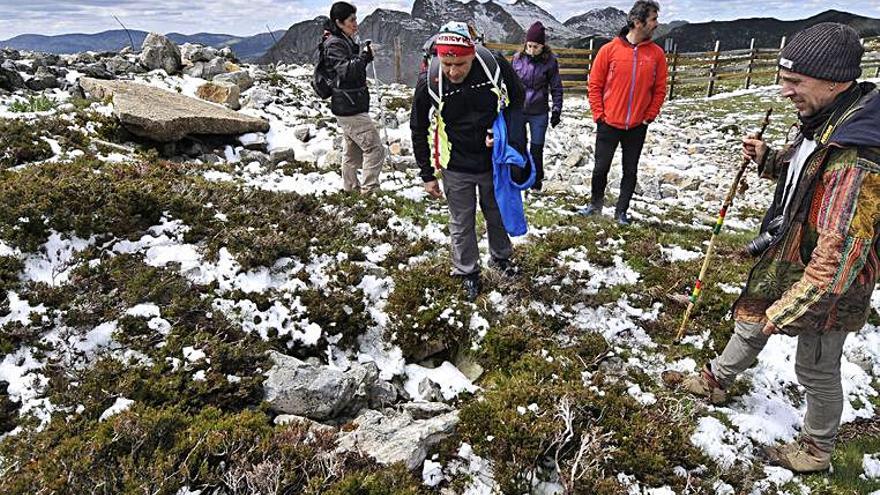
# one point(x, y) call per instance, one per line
point(314, 426)
point(96, 70)
point(119, 65)
point(11, 80)
point(240, 78)
point(430, 390)
point(10, 54)
point(47, 60)
point(668, 191)
point(279, 155)
point(303, 132)
point(254, 141)
point(166, 116)
point(190, 52)
point(423, 410)
point(44, 79)
point(222, 93)
point(316, 392)
point(259, 98)
point(249, 156)
point(574, 158)
point(84, 58)
point(227, 53)
point(395, 436)
point(206, 70)
point(211, 158)
point(158, 52)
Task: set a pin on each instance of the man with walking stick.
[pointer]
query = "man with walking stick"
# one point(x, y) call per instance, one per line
point(819, 263)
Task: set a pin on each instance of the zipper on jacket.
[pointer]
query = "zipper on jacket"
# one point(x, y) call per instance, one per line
point(632, 87)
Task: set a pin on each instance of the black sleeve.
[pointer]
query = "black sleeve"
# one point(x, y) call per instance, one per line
point(515, 90)
point(348, 68)
point(513, 114)
point(418, 126)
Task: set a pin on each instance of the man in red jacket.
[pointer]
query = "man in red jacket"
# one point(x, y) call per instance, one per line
point(627, 87)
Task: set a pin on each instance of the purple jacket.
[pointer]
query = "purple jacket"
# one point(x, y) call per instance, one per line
point(540, 79)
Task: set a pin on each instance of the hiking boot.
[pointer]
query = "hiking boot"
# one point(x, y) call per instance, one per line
point(504, 266)
point(590, 210)
point(800, 456)
point(472, 287)
point(704, 384)
point(622, 219)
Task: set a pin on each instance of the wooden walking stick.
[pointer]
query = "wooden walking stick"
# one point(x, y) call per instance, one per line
point(698, 285)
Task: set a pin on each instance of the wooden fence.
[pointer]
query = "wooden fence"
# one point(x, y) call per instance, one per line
point(698, 73)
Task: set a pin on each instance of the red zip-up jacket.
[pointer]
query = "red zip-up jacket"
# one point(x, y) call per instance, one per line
point(627, 83)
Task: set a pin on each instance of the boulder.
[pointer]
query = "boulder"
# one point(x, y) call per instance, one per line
point(251, 156)
point(193, 53)
point(395, 436)
point(84, 58)
point(259, 98)
point(96, 70)
point(158, 52)
point(206, 70)
point(119, 65)
point(295, 387)
point(167, 116)
point(303, 132)
point(240, 78)
point(223, 93)
point(279, 155)
point(42, 80)
point(11, 80)
point(255, 141)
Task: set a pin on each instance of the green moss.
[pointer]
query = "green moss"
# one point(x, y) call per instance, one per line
point(10, 270)
point(33, 104)
point(393, 480)
point(430, 309)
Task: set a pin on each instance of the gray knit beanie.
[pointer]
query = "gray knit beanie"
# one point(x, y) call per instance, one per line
point(828, 51)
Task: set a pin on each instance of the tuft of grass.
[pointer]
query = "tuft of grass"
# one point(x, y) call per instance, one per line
point(33, 104)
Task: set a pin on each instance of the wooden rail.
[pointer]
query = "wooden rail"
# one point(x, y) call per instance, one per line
point(716, 70)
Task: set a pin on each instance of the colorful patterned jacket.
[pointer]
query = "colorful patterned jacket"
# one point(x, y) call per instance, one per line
point(820, 273)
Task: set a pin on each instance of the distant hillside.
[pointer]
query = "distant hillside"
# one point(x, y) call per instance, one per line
point(245, 48)
point(766, 31)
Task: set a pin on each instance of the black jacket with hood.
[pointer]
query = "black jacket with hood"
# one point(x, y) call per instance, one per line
point(347, 67)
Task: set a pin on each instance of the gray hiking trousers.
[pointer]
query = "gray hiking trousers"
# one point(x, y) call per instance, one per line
point(817, 365)
point(461, 197)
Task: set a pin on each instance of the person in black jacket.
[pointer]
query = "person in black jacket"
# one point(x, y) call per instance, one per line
point(350, 102)
point(462, 139)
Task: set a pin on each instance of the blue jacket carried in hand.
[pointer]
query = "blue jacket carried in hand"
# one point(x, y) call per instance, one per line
point(508, 192)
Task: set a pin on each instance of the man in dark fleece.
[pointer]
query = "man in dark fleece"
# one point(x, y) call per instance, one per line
point(814, 280)
point(455, 105)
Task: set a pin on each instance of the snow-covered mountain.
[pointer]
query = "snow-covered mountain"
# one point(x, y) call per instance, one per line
point(526, 13)
point(604, 22)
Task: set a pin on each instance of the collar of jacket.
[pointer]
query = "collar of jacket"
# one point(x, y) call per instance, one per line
point(622, 38)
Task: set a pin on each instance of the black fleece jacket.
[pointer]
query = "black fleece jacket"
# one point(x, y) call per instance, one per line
point(469, 110)
point(345, 61)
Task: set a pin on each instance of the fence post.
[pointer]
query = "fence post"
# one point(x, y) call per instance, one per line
point(397, 74)
point(714, 70)
point(590, 60)
point(674, 69)
point(751, 63)
point(781, 46)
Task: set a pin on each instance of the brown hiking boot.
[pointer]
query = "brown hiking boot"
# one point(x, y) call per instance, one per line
point(801, 456)
point(704, 384)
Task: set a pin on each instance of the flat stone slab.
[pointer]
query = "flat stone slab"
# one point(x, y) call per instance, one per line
point(166, 116)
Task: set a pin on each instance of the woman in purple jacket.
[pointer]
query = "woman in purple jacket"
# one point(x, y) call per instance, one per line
point(538, 70)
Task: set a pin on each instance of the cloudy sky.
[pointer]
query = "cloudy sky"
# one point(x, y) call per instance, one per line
point(245, 17)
